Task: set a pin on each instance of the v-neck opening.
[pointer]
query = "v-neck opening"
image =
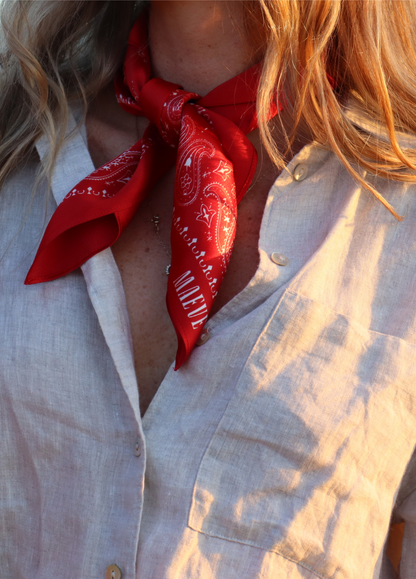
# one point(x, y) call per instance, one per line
point(232, 310)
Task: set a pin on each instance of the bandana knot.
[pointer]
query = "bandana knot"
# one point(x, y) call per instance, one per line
point(162, 102)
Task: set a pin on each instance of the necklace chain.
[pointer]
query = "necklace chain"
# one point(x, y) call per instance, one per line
point(156, 220)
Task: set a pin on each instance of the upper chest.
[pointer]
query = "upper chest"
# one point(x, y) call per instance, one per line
point(142, 254)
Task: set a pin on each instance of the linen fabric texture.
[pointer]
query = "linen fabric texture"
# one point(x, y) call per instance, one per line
point(282, 449)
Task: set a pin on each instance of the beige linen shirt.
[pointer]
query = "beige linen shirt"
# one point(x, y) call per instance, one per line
point(281, 450)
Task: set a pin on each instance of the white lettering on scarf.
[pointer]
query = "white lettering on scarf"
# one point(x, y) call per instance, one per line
point(190, 297)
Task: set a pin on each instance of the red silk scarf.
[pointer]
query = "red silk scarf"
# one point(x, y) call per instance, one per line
point(215, 164)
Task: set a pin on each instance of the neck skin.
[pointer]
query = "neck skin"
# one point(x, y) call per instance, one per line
point(198, 44)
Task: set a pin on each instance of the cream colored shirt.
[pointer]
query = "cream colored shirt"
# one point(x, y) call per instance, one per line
point(280, 450)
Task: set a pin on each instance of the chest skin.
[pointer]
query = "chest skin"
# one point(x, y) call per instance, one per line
point(141, 257)
point(142, 261)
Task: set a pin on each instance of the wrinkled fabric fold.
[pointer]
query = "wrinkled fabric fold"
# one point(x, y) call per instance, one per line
point(215, 164)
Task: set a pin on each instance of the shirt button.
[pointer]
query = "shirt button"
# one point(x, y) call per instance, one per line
point(279, 259)
point(137, 449)
point(113, 572)
point(204, 337)
point(300, 172)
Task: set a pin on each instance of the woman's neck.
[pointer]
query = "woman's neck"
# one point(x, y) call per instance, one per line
point(198, 44)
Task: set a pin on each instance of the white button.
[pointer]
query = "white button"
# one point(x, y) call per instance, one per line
point(113, 572)
point(204, 337)
point(300, 172)
point(279, 259)
point(137, 449)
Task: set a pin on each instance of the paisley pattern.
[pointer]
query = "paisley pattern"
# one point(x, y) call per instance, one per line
point(105, 181)
point(194, 154)
point(215, 163)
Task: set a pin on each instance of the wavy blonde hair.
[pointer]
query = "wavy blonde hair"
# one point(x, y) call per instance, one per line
point(323, 52)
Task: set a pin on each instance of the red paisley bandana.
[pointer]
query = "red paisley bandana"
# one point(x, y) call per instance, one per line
point(215, 164)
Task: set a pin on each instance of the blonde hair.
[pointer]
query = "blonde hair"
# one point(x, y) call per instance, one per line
point(323, 52)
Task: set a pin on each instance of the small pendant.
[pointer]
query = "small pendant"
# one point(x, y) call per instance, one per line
point(167, 270)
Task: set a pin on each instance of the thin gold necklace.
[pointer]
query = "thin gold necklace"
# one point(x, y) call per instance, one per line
point(156, 220)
